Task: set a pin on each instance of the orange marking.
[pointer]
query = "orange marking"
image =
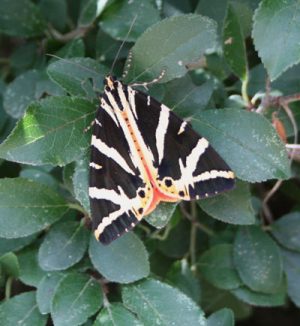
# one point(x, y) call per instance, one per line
point(158, 196)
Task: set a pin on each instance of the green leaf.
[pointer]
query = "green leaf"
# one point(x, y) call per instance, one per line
point(214, 9)
point(214, 299)
point(90, 11)
point(24, 57)
point(51, 132)
point(291, 266)
point(234, 46)
point(223, 317)
point(78, 76)
point(40, 176)
point(185, 39)
point(76, 298)
point(142, 12)
point(21, 18)
point(261, 299)
point(10, 265)
point(232, 207)
point(125, 260)
point(181, 276)
point(81, 182)
point(25, 89)
point(21, 310)
point(46, 289)
point(257, 259)
point(72, 49)
point(157, 303)
point(161, 216)
point(186, 98)
point(277, 21)
point(63, 246)
point(31, 207)
point(216, 266)
point(55, 11)
point(30, 271)
point(115, 314)
point(7, 245)
point(286, 230)
point(247, 142)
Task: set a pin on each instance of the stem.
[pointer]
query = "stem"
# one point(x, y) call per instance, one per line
point(199, 225)
point(78, 208)
point(244, 88)
point(193, 237)
point(8, 287)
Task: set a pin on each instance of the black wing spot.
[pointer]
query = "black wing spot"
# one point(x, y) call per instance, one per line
point(140, 210)
point(181, 193)
point(168, 182)
point(142, 194)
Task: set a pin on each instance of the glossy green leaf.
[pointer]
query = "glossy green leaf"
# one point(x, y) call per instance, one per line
point(142, 12)
point(214, 9)
point(247, 142)
point(7, 245)
point(231, 207)
point(30, 206)
point(291, 266)
point(10, 265)
point(63, 246)
point(90, 11)
point(46, 289)
point(233, 44)
point(186, 98)
point(181, 276)
point(194, 35)
point(39, 175)
point(216, 266)
point(51, 132)
point(115, 314)
point(286, 230)
point(76, 298)
point(158, 303)
point(30, 271)
point(257, 259)
point(125, 260)
point(27, 88)
point(80, 181)
point(21, 18)
point(261, 299)
point(223, 317)
point(21, 310)
point(161, 216)
point(78, 76)
point(74, 48)
point(278, 21)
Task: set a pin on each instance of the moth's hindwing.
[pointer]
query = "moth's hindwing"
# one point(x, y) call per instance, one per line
point(142, 153)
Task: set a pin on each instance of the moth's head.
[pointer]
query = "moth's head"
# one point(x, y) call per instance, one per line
point(109, 81)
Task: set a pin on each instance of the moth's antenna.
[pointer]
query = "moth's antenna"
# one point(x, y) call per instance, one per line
point(122, 44)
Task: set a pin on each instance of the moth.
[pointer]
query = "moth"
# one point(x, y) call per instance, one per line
point(141, 154)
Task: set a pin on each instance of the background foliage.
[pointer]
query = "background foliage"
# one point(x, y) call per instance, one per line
point(232, 68)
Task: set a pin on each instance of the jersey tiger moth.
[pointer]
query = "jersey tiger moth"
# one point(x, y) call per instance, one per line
point(142, 153)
